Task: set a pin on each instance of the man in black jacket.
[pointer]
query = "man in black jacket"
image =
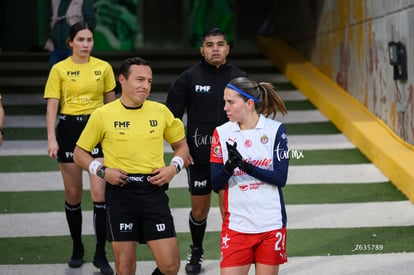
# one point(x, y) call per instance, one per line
point(199, 91)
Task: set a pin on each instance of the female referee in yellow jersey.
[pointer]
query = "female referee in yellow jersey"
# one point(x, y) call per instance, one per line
point(80, 83)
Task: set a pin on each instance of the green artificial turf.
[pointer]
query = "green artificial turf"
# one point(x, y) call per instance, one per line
point(341, 193)
point(314, 128)
point(10, 164)
point(300, 242)
point(299, 105)
point(35, 109)
point(17, 133)
point(283, 86)
point(35, 163)
point(349, 241)
point(47, 201)
point(326, 157)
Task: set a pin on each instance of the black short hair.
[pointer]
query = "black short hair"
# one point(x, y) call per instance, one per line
point(126, 64)
point(213, 32)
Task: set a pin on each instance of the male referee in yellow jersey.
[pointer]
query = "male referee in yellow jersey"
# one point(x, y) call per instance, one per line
point(131, 131)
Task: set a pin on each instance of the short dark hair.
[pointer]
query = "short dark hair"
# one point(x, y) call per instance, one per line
point(126, 64)
point(213, 32)
point(79, 26)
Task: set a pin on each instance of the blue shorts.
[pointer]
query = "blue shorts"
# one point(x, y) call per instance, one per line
point(138, 211)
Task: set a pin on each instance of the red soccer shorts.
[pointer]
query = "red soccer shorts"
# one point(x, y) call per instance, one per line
point(242, 249)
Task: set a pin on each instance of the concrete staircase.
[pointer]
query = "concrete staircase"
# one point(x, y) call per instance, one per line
point(26, 73)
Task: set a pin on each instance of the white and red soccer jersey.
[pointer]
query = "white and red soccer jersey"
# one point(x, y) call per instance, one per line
point(252, 205)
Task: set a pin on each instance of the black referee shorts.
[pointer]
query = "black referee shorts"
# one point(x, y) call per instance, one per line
point(199, 179)
point(138, 211)
point(68, 130)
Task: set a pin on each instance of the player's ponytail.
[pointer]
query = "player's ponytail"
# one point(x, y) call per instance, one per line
point(266, 99)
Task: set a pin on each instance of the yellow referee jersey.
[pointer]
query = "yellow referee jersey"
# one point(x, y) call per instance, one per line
point(80, 87)
point(132, 139)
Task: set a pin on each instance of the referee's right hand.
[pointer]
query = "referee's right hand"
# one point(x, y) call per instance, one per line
point(116, 176)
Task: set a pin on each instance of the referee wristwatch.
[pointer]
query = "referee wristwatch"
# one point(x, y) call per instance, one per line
point(177, 166)
point(101, 171)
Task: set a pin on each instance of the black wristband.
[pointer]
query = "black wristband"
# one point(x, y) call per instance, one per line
point(2, 131)
point(177, 166)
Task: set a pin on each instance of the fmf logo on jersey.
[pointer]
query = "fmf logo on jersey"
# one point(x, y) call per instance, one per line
point(121, 124)
point(126, 227)
point(73, 73)
point(202, 183)
point(202, 89)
